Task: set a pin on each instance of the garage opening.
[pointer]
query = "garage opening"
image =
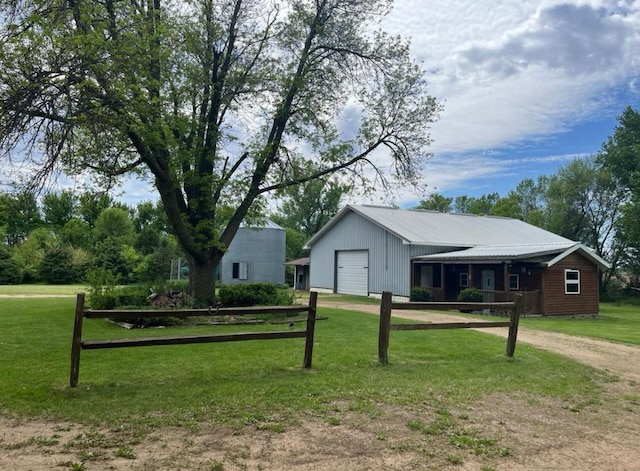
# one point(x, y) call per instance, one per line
point(352, 273)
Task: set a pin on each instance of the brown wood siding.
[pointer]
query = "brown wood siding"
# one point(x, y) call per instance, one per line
point(557, 303)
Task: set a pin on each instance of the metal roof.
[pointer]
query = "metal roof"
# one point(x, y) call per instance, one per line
point(300, 262)
point(500, 252)
point(265, 224)
point(420, 227)
point(510, 253)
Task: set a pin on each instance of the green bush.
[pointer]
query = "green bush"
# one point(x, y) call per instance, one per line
point(255, 294)
point(470, 295)
point(420, 295)
point(57, 267)
point(9, 268)
point(103, 288)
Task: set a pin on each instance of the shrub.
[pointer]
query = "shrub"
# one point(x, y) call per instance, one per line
point(103, 287)
point(57, 267)
point(420, 294)
point(255, 294)
point(470, 295)
point(9, 268)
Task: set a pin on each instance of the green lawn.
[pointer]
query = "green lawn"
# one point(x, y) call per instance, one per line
point(240, 382)
point(28, 290)
point(616, 322)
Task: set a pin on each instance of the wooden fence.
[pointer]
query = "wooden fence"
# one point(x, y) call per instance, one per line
point(78, 344)
point(387, 305)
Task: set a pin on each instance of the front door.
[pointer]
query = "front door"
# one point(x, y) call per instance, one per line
point(488, 284)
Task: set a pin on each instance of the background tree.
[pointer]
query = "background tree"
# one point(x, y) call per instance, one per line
point(58, 208)
point(526, 202)
point(471, 205)
point(91, 204)
point(57, 266)
point(211, 99)
point(584, 204)
point(10, 272)
point(620, 156)
point(436, 202)
point(23, 216)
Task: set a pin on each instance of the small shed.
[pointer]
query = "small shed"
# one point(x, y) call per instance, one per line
point(301, 273)
point(256, 254)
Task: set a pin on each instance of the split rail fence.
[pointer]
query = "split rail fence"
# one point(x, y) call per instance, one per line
point(78, 344)
point(387, 305)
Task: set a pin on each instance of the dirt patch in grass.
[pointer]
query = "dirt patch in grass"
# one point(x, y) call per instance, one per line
point(497, 433)
point(500, 432)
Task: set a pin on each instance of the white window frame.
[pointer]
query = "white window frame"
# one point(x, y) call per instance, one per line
point(515, 277)
point(243, 270)
point(464, 276)
point(571, 281)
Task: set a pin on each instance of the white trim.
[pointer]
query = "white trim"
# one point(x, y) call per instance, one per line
point(466, 280)
point(517, 288)
point(243, 271)
point(571, 282)
point(586, 251)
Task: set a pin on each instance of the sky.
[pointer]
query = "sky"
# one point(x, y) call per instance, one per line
point(527, 86)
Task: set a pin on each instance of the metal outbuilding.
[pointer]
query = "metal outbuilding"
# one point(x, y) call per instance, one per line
point(365, 250)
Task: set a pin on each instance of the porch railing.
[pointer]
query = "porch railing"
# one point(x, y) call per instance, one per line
point(531, 301)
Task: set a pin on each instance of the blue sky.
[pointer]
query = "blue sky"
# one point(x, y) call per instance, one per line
point(528, 86)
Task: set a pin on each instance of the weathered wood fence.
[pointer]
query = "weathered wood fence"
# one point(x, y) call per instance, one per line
point(81, 313)
point(387, 305)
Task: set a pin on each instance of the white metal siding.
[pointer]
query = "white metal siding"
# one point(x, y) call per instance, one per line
point(389, 259)
point(353, 272)
point(263, 253)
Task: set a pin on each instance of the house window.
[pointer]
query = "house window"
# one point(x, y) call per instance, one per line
point(464, 280)
point(240, 270)
point(571, 282)
point(514, 282)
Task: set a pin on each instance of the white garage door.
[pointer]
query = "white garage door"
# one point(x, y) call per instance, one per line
point(353, 272)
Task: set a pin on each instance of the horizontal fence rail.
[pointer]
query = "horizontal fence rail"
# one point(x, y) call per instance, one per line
point(387, 306)
point(77, 344)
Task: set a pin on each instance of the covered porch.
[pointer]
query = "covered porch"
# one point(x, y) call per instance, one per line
point(498, 281)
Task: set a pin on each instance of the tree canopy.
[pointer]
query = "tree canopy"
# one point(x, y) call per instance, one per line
point(219, 103)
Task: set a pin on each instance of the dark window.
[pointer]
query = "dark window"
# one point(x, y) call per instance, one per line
point(239, 271)
point(514, 282)
point(464, 280)
point(571, 282)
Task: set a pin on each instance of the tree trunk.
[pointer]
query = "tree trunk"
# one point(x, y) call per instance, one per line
point(202, 280)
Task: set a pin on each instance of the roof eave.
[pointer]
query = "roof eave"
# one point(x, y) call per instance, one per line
point(586, 251)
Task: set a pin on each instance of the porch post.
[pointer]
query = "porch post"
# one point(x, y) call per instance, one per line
point(507, 274)
point(470, 275)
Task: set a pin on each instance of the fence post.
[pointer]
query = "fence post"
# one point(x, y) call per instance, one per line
point(76, 342)
point(385, 327)
point(311, 327)
point(513, 328)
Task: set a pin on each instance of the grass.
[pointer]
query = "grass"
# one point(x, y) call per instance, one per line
point(616, 322)
point(28, 290)
point(261, 382)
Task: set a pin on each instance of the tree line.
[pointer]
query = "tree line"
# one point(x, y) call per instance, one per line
point(68, 238)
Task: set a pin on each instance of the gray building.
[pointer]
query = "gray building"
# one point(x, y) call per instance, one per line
point(365, 250)
point(256, 254)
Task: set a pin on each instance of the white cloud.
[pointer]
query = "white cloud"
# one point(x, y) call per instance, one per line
point(513, 71)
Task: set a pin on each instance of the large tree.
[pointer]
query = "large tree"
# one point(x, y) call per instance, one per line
point(620, 157)
point(585, 203)
point(217, 101)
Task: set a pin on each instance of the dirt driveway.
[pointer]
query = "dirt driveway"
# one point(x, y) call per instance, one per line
point(530, 434)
